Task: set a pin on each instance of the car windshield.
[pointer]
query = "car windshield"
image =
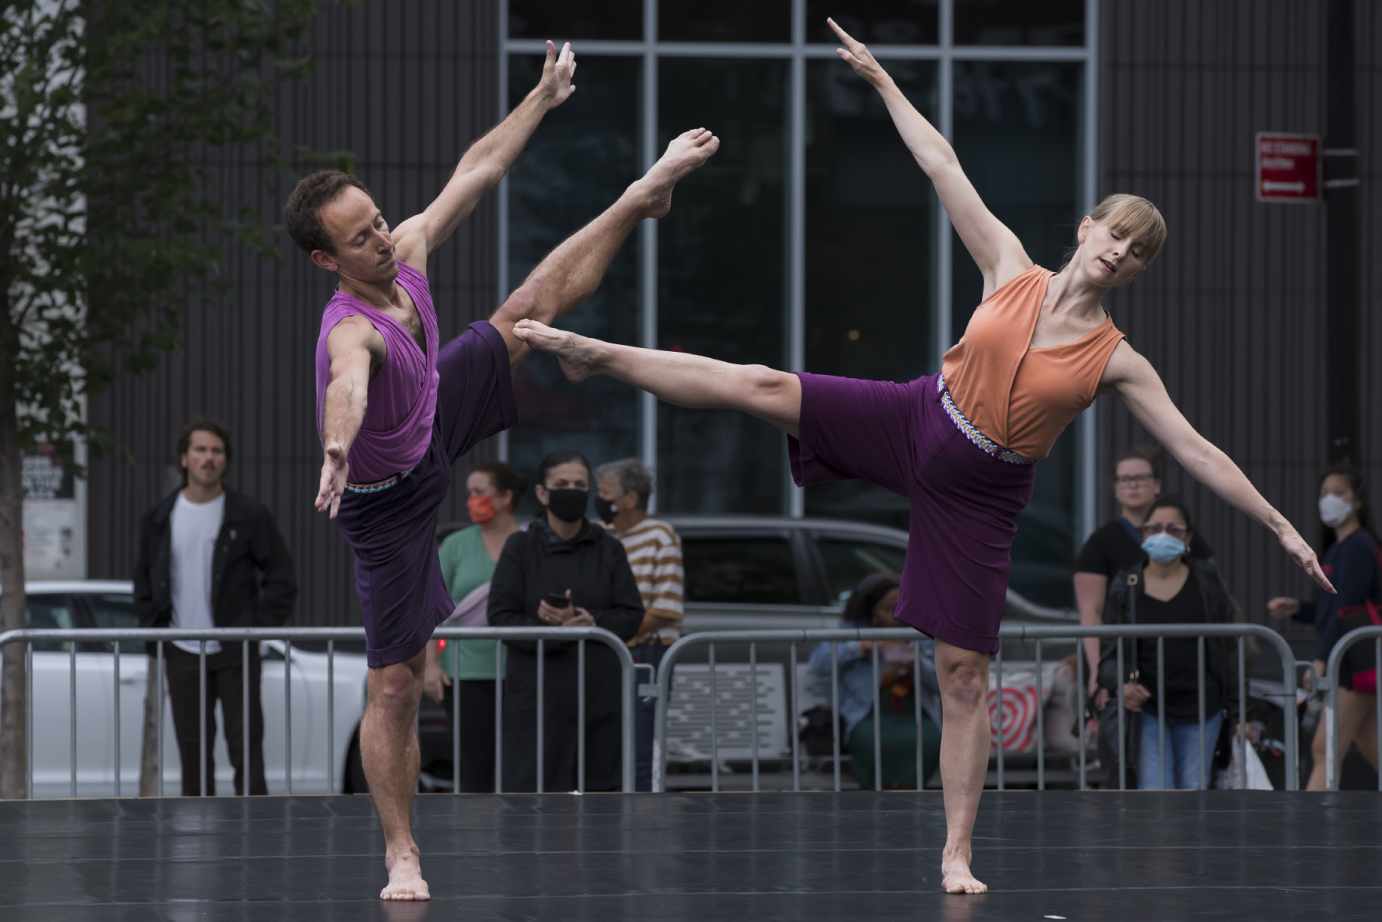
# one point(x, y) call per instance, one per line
point(48, 611)
point(849, 560)
point(751, 570)
point(115, 610)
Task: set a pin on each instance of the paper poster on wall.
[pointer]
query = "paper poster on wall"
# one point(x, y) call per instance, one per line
point(54, 518)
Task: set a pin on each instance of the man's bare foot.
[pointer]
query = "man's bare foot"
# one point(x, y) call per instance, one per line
point(577, 354)
point(405, 877)
point(686, 152)
point(955, 876)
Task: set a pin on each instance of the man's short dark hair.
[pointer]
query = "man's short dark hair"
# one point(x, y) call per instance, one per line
point(303, 211)
point(1149, 453)
point(203, 424)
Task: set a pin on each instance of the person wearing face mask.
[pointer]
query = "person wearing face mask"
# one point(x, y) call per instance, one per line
point(1168, 587)
point(1118, 544)
point(563, 555)
point(468, 559)
point(1351, 559)
point(654, 549)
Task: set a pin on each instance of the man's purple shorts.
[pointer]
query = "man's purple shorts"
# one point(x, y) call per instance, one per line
point(393, 532)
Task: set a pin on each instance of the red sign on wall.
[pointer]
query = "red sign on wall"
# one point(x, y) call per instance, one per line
point(1288, 167)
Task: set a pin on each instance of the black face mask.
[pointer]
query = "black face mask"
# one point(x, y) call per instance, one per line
point(568, 505)
point(606, 510)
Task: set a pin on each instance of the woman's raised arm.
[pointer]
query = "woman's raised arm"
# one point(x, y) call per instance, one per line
point(1137, 384)
point(995, 249)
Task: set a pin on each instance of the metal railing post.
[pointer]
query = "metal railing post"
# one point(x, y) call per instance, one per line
point(456, 717)
point(1122, 723)
point(72, 715)
point(1243, 713)
point(916, 703)
point(201, 715)
point(117, 718)
point(629, 716)
point(1161, 716)
point(246, 774)
point(753, 711)
point(714, 730)
point(793, 722)
point(288, 714)
point(580, 717)
point(1203, 767)
point(580, 721)
point(159, 732)
point(29, 719)
point(877, 722)
point(330, 719)
point(1041, 724)
point(498, 719)
point(835, 708)
point(1080, 702)
point(999, 712)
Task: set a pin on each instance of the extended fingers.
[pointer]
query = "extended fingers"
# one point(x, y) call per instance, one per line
point(844, 36)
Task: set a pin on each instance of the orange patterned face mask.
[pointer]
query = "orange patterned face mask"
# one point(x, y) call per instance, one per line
point(481, 509)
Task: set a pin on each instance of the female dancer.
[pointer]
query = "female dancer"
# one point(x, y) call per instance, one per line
point(960, 445)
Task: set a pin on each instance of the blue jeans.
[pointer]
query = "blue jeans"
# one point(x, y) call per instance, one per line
point(644, 713)
point(1183, 762)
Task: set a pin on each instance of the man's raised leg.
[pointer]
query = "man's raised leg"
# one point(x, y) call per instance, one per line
point(966, 736)
point(569, 275)
point(389, 751)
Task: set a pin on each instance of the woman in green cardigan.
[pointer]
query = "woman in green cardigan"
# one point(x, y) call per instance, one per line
point(468, 557)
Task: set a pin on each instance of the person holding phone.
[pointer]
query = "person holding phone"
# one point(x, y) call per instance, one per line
point(563, 571)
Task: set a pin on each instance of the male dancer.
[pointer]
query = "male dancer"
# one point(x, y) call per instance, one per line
point(396, 410)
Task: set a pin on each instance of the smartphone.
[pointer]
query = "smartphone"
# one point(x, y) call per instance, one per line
point(558, 600)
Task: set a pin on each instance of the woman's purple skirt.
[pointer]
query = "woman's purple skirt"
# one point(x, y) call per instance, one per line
point(964, 501)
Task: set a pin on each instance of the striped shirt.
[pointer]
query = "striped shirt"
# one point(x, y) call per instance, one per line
point(654, 550)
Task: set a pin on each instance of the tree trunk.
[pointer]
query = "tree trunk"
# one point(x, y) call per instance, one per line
point(148, 759)
point(14, 754)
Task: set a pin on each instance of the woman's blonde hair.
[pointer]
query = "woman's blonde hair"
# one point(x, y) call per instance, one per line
point(1136, 218)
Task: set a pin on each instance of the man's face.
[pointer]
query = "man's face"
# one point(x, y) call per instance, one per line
point(364, 250)
point(205, 460)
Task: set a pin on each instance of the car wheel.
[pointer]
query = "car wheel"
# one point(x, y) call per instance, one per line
point(354, 781)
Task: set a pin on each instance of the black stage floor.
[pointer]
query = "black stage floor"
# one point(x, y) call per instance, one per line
point(702, 857)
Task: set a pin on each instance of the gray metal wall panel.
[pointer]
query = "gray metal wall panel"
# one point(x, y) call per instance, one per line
point(1230, 313)
point(1369, 102)
point(406, 86)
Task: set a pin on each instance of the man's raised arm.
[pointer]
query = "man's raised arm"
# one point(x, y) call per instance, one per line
point(486, 162)
point(354, 346)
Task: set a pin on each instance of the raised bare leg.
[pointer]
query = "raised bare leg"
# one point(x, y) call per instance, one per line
point(966, 736)
point(389, 751)
point(569, 275)
point(678, 378)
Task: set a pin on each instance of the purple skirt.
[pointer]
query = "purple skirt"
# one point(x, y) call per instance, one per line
point(393, 531)
point(964, 501)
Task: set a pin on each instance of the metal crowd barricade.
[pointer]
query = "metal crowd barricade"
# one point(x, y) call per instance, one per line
point(1327, 682)
point(246, 636)
point(1021, 632)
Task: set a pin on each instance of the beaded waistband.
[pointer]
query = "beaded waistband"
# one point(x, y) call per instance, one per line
point(972, 432)
point(379, 486)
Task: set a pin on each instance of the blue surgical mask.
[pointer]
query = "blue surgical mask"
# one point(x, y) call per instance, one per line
point(1163, 548)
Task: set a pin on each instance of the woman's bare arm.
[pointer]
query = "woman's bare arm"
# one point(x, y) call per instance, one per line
point(1137, 384)
point(995, 249)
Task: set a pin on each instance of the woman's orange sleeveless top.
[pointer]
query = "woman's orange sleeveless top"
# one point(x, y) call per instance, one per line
point(1021, 397)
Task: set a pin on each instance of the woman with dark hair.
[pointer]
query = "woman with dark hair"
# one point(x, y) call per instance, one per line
point(468, 558)
point(871, 605)
point(1170, 587)
point(563, 555)
point(960, 445)
point(1349, 552)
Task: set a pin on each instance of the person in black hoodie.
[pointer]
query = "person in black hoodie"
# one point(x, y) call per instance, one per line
point(1169, 587)
point(210, 557)
point(561, 553)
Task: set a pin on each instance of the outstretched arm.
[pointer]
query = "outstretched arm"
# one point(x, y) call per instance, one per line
point(486, 162)
point(994, 248)
point(1137, 384)
point(355, 347)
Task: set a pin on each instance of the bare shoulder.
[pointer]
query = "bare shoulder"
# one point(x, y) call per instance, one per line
point(1126, 366)
point(410, 243)
point(353, 336)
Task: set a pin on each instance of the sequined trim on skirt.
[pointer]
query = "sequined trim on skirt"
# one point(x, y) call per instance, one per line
point(379, 485)
point(972, 432)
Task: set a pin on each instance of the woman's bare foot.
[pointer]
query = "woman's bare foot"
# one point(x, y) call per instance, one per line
point(956, 878)
point(686, 152)
point(577, 354)
point(405, 877)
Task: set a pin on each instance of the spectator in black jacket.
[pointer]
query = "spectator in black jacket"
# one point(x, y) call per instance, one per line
point(563, 554)
point(211, 558)
point(1170, 586)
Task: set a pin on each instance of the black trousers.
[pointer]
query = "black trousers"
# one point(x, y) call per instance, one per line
point(224, 683)
point(560, 724)
point(477, 732)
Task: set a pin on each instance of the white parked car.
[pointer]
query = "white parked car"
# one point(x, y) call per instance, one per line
point(110, 604)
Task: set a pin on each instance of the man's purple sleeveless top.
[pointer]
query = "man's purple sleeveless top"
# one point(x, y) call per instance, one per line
point(402, 396)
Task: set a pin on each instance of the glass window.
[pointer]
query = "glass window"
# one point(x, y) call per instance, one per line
point(722, 277)
point(724, 21)
point(1017, 129)
point(560, 20)
point(1019, 22)
point(746, 570)
point(48, 612)
point(576, 164)
point(115, 611)
point(878, 22)
point(849, 560)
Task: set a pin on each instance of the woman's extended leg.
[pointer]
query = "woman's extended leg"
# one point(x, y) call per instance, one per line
point(678, 378)
point(1355, 710)
point(966, 736)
